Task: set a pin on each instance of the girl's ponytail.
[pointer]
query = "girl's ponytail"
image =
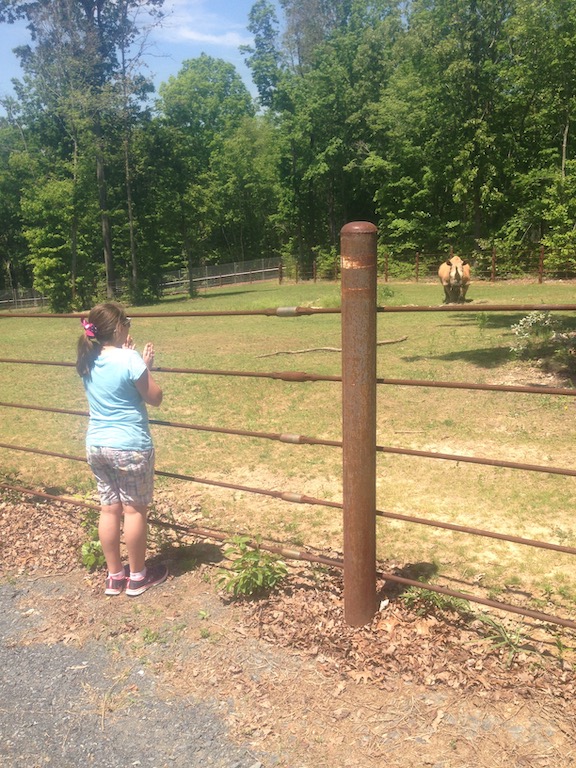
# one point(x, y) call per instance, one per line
point(88, 351)
point(99, 328)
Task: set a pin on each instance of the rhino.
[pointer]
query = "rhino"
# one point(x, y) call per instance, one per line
point(454, 274)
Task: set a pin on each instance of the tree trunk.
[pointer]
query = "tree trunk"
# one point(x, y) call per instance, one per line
point(127, 166)
point(106, 231)
point(74, 227)
point(187, 247)
point(565, 146)
point(130, 205)
point(104, 216)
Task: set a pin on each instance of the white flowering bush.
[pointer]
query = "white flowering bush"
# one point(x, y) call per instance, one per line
point(531, 332)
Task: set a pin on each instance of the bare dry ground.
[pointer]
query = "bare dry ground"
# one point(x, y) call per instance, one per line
point(289, 676)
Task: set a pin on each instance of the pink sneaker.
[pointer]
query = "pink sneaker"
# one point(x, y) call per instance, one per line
point(116, 586)
point(155, 574)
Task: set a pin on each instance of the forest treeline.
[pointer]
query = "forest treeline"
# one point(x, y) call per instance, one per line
point(448, 123)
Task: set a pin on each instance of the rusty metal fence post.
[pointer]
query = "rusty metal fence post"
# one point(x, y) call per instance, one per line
point(358, 262)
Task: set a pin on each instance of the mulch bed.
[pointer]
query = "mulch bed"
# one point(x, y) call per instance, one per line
point(431, 649)
point(414, 644)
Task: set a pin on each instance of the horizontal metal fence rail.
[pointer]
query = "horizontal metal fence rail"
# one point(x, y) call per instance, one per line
point(224, 278)
point(34, 302)
point(302, 311)
point(267, 312)
point(201, 532)
point(256, 270)
point(471, 307)
point(302, 376)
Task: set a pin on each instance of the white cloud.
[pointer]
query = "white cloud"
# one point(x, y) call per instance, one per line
point(189, 21)
point(227, 39)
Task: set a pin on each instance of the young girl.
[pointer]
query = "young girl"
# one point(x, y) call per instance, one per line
point(119, 448)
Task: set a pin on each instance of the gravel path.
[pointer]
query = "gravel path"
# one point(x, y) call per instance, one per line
point(69, 707)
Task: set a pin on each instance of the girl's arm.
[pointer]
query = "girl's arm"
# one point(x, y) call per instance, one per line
point(148, 388)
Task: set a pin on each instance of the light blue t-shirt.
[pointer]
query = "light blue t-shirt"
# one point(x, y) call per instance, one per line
point(118, 416)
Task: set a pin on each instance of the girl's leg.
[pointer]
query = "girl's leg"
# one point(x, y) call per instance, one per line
point(109, 534)
point(135, 532)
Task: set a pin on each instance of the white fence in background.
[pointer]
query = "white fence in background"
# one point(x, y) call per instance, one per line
point(21, 299)
point(172, 282)
point(213, 275)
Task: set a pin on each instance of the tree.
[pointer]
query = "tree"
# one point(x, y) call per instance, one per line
point(245, 190)
point(200, 108)
point(308, 24)
point(323, 102)
point(13, 172)
point(542, 80)
point(75, 70)
point(264, 58)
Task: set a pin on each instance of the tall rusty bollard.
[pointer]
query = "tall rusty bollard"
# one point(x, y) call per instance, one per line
point(358, 262)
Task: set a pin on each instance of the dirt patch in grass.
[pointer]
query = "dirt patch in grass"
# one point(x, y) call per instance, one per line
point(291, 678)
point(528, 375)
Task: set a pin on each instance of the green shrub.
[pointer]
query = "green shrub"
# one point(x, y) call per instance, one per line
point(91, 552)
point(252, 571)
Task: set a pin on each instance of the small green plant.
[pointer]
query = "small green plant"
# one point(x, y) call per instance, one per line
point(512, 641)
point(425, 601)
point(92, 555)
point(548, 590)
point(482, 319)
point(252, 570)
point(165, 535)
point(150, 636)
point(564, 537)
point(91, 552)
point(494, 592)
point(327, 262)
point(383, 294)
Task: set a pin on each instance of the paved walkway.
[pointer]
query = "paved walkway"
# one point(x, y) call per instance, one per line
point(68, 707)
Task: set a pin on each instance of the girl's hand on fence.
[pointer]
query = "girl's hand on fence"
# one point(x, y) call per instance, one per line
point(129, 343)
point(148, 355)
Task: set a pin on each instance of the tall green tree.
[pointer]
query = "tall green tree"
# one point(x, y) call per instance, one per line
point(321, 96)
point(245, 190)
point(447, 151)
point(74, 66)
point(14, 270)
point(542, 84)
point(200, 107)
point(264, 58)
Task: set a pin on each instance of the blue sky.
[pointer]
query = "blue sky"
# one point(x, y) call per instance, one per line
point(192, 27)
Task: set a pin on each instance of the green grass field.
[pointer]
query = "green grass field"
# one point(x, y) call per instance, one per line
point(468, 347)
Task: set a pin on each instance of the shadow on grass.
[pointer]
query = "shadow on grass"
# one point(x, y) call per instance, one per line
point(181, 297)
point(213, 295)
point(503, 319)
point(423, 572)
point(489, 319)
point(490, 357)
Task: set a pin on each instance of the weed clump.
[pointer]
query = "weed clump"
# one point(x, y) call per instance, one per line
point(252, 571)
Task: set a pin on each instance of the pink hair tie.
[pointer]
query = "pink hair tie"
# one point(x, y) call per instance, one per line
point(89, 328)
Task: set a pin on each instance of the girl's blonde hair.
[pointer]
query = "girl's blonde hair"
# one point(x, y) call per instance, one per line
point(104, 320)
